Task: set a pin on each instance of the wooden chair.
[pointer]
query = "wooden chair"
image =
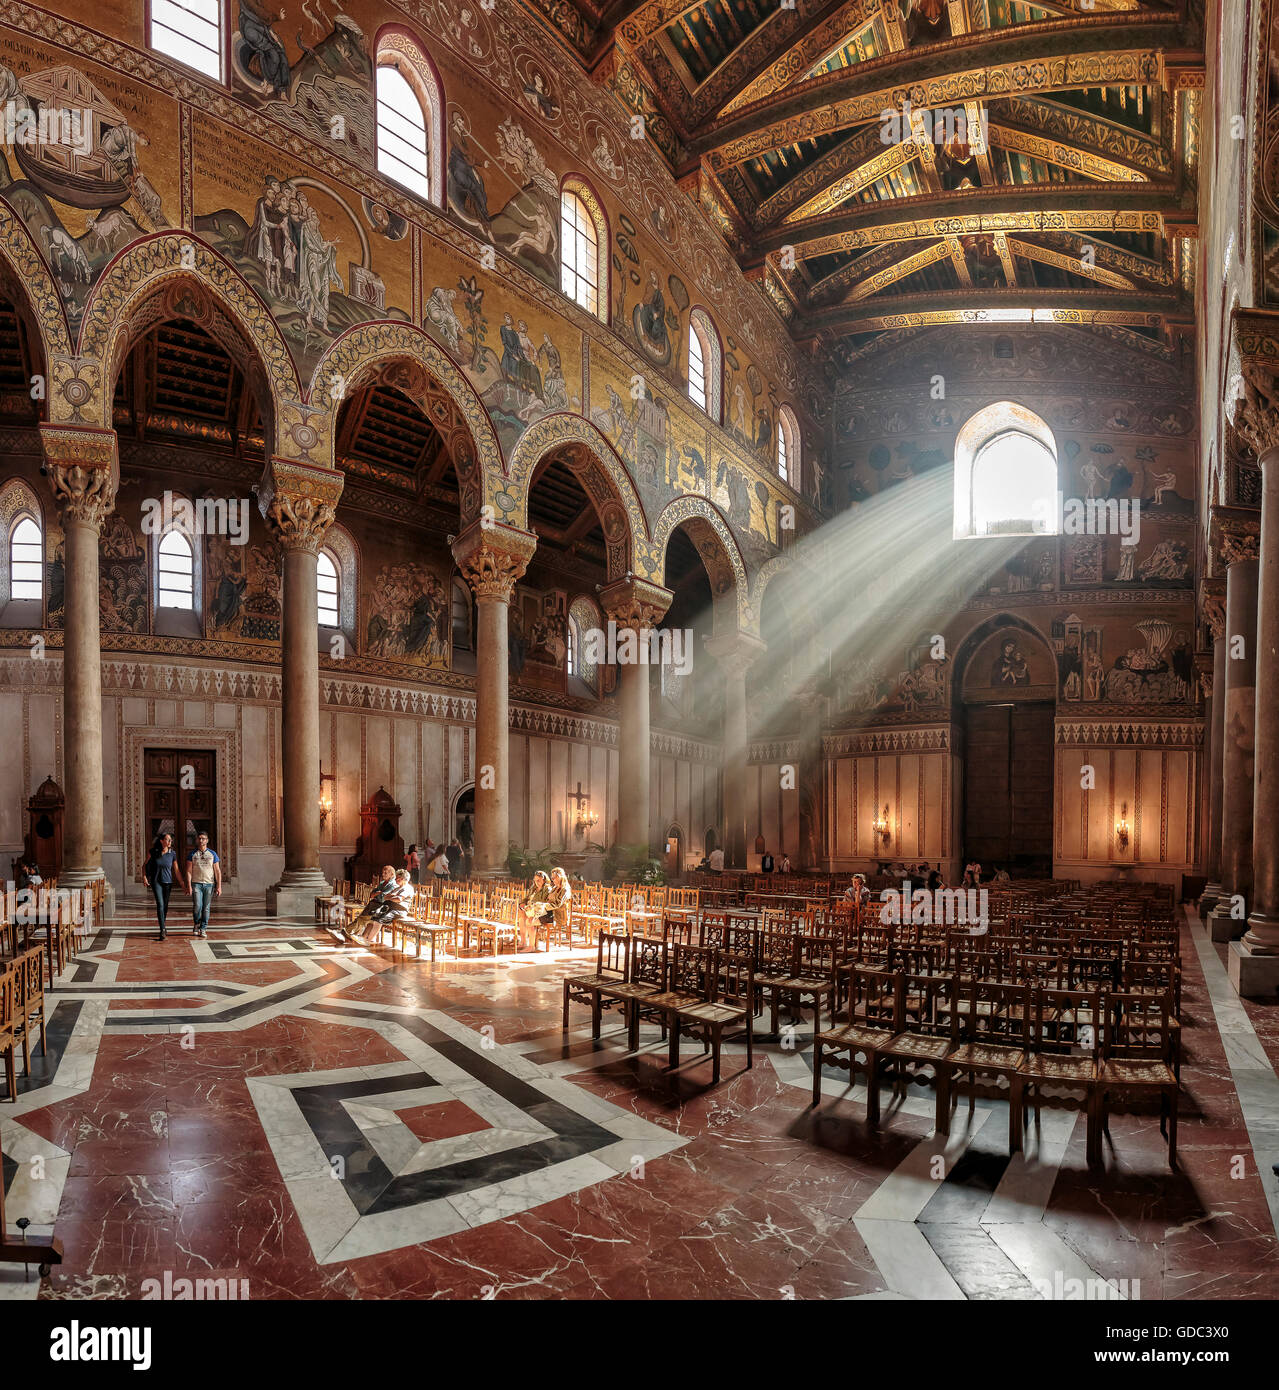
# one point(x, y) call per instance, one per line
point(1064, 1051)
point(992, 1040)
point(1137, 1056)
point(874, 1020)
point(927, 1037)
point(28, 1005)
point(649, 961)
point(607, 983)
point(710, 991)
point(8, 1021)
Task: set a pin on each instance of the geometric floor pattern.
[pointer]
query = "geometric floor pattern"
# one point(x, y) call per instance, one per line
point(336, 1122)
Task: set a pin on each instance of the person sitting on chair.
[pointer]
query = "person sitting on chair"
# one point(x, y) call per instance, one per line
point(559, 901)
point(532, 908)
point(383, 904)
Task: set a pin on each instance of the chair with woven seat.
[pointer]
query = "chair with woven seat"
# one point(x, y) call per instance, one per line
point(1064, 1050)
point(991, 1039)
point(649, 965)
point(925, 1039)
point(8, 1009)
point(726, 981)
point(28, 1013)
point(874, 1020)
point(1136, 1055)
point(605, 985)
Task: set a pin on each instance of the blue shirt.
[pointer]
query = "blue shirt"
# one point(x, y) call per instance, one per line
point(162, 866)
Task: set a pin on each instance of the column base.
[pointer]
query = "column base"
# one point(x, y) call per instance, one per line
point(1221, 925)
point(1253, 976)
point(500, 872)
point(296, 892)
point(79, 878)
point(1262, 936)
point(1208, 899)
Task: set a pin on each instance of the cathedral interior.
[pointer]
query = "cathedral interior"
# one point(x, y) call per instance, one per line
point(758, 512)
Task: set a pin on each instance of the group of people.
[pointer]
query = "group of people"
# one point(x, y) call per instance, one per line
point(392, 897)
point(441, 861)
point(714, 862)
point(203, 879)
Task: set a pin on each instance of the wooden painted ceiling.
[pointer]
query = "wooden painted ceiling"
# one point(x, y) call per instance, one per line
point(879, 165)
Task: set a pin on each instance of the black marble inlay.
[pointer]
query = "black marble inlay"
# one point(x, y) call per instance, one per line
point(371, 1185)
point(60, 1015)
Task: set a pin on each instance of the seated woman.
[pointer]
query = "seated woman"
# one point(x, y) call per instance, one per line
point(532, 910)
point(385, 902)
point(559, 900)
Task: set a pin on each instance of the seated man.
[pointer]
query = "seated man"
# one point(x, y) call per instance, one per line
point(384, 903)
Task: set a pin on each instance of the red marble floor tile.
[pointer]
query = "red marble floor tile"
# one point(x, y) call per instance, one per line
point(443, 1120)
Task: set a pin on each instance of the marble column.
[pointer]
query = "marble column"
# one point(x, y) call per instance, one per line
point(736, 653)
point(297, 502)
point(492, 558)
point(84, 471)
point(1254, 961)
point(1214, 722)
point(637, 605)
point(1238, 718)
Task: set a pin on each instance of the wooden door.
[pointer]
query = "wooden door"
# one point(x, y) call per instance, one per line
point(1008, 787)
point(180, 789)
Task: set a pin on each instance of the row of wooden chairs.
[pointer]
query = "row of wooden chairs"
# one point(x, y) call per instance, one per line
point(1024, 1036)
point(689, 991)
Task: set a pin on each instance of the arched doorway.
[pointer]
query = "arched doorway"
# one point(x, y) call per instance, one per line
point(462, 825)
point(673, 863)
point(1007, 686)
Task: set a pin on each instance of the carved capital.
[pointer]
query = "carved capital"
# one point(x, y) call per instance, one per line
point(1203, 668)
point(493, 558)
point(736, 652)
point(1234, 534)
point(298, 502)
point(83, 466)
point(1257, 416)
point(1214, 611)
point(635, 603)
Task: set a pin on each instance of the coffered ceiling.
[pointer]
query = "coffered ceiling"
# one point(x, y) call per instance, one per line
point(880, 165)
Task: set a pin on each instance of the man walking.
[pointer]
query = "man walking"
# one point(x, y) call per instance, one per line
point(204, 881)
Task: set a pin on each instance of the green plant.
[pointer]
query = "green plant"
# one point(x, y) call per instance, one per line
point(633, 864)
point(523, 864)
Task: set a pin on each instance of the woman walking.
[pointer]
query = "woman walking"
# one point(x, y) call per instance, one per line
point(160, 874)
point(413, 863)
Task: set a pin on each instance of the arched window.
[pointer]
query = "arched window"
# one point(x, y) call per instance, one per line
point(191, 32)
point(26, 560)
point(788, 447)
point(583, 617)
point(570, 649)
point(705, 363)
point(463, 640)
point(583, 232)
point(175, 572)
point(1005, 474)
point(410, 126)
point(328, 605)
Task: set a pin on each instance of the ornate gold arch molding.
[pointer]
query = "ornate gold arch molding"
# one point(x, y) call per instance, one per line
point(769, 571)
point(717, 546)
point(402, 356)
point(189, 279)
point(604, 479)
point(29, 279)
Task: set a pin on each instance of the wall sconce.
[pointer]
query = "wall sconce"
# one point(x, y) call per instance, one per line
point(1121, 827)
point(327, 779)
point(583, 819)
point(882, 825)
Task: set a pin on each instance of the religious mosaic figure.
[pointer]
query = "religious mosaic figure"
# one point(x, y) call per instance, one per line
point(1009, 667)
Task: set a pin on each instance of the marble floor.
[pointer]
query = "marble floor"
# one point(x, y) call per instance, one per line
point(330, 1122)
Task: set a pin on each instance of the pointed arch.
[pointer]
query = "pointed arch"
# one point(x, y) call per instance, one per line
point(973, 641)
point(175, 275)
point(19, 502)
point(717, 546)
point(406, 358)
point(28, 276)
point(604, 479)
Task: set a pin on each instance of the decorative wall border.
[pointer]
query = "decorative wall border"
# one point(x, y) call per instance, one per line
point(224, 744)
point(930, 739)
point(1122, 733)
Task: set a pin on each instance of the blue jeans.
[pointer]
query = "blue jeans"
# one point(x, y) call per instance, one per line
point(161, 891)
point(201, 901)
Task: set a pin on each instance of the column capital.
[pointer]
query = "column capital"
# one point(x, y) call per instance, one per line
point(635, 603)
point(736, 652)
point(1234, 534)
point(1257, 415)
point(493, 557)
point(1203, 668)
point(298, 502)
point(1212, 606)
point(83, 466)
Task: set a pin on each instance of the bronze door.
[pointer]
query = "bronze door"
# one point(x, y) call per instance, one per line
point(181, 796)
